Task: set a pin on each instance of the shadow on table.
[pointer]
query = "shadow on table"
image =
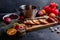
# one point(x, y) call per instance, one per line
point(6, 37)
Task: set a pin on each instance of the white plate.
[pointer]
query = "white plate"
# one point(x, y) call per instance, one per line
point(7, 15)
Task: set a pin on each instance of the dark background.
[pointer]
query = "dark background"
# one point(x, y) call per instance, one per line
point(10, 5)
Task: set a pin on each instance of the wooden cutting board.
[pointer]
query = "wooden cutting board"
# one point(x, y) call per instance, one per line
point(39, 27)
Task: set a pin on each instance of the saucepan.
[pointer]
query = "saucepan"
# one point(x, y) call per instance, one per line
point(29, 11)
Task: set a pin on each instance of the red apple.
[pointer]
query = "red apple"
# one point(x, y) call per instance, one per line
point(52, 5)
point(50, 20)
point(7, 20)
point(52, 10)
point(56, 12)
point(47, 9)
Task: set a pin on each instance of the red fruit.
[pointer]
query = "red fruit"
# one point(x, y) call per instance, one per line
point(55, 7)
point(52, 10)
point(7, 20)
point(52, 5)
point(18, 27)
point(47, 8)
point(52, 15)
point(50, 20)
point(56, 12)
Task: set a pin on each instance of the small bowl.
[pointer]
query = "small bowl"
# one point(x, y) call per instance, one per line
point(7, 15)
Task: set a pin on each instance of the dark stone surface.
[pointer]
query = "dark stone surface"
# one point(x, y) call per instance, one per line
point(44, 34)
point(12, 5)
point(7, 6)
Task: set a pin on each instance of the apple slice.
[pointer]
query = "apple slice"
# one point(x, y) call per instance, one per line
point(29, 22)
point(43, 21)
point(36, 21)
